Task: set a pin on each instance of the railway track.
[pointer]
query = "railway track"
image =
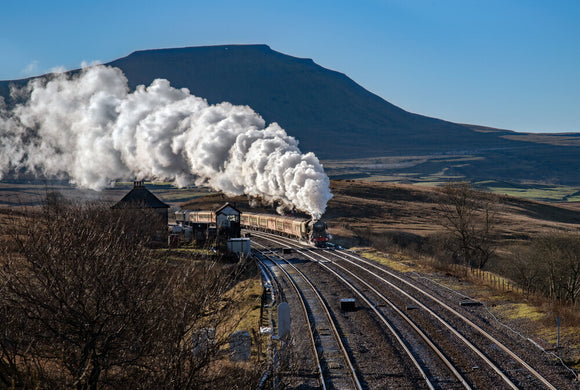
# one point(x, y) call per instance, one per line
point(444, 375)
point(352, 269)
point(333, 363)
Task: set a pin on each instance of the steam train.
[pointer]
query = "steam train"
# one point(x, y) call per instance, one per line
point(303, 229)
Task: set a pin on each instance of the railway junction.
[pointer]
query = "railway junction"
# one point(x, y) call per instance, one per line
point(358, 325)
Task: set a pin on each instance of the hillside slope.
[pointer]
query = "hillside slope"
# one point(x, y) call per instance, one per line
point(329, 113)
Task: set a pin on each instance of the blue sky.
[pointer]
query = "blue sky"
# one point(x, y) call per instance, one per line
point(512, 64)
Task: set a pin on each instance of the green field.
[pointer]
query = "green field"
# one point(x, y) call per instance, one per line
point(436, 170)
point(541, 192)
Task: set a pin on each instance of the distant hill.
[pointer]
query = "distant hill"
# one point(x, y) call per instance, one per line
point(337, 119)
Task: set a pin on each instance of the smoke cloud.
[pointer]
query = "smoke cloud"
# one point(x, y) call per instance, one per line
point(93, 130)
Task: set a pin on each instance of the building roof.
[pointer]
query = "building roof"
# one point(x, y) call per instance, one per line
point(140, 197)
point(226, 206)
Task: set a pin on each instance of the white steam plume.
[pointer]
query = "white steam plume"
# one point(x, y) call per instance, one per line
point(90, 128)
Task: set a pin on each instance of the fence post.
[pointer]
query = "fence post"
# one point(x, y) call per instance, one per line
point(558, 324)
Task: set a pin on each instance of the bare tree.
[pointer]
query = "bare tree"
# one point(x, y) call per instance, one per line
point(86, 304)
point(469, 217)
point(557, 257)
point(525, 270)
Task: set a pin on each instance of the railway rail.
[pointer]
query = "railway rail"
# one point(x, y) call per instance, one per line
point(432, 377)
point(334, 366)
point(348, 266)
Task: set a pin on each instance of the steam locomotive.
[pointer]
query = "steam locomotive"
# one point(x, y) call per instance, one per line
point(318, 235)
point(303, 229)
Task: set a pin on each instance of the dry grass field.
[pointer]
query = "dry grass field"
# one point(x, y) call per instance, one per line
point(397, 208)
point(357, 204)
point(411, 211)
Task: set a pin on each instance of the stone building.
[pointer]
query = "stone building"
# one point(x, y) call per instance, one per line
point(140, 198)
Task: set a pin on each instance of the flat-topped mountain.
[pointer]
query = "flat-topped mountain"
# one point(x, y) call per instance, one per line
point(337, 119)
